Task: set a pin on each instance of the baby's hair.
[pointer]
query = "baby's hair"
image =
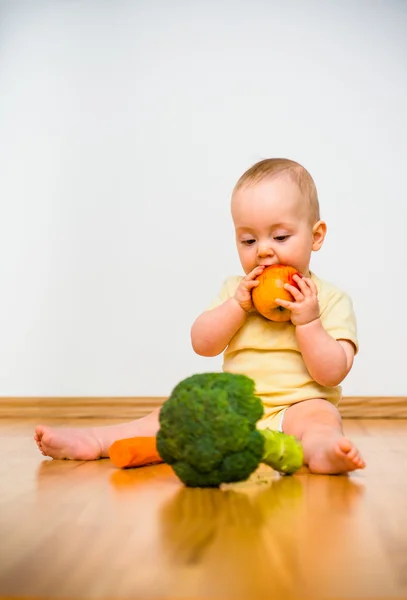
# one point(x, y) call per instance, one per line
point(273, 167)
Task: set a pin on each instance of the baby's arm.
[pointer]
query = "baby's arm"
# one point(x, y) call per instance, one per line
point(213, 329)
point(328, 360)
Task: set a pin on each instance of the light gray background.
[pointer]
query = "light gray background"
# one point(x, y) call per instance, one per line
point(123, 128)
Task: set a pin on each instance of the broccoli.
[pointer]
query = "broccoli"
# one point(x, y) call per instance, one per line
point(208, 432)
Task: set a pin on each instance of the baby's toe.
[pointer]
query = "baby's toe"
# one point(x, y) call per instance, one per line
point(345, 446)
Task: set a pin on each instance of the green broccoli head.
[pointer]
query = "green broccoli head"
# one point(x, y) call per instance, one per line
point(208, 429)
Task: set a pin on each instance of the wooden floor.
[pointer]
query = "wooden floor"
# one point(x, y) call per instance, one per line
point(73, 530)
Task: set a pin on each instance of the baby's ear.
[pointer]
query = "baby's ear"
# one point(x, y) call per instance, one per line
point(318, 235)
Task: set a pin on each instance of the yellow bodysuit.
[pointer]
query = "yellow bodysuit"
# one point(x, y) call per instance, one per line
point(268, 352)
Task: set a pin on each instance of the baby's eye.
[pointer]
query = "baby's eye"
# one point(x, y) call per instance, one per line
point(248, 242)
point(281, 238)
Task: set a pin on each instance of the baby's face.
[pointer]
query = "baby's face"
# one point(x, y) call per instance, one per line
point(272, 225)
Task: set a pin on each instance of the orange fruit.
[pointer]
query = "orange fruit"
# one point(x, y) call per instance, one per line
point(271, 287)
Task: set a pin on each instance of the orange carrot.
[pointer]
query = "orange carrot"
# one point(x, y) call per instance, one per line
point(134, 452)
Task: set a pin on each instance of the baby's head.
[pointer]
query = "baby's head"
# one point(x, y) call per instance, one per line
point(275, 211)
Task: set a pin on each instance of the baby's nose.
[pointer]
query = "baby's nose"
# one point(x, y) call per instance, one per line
point(265, 249)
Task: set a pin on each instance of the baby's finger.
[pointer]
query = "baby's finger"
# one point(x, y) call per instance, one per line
point(251, 284)
point(313, 287)
point(295, 293)
point(252, 275)
point(255, 273)
point(285, 303)
point(303, 284)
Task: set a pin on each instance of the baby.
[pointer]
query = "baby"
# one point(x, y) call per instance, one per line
point(297, 365)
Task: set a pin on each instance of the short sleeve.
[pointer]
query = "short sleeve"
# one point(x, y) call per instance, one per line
point(338, 318)
point(227, 291)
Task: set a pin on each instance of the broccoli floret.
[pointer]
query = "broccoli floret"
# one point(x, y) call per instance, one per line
point(208, 431)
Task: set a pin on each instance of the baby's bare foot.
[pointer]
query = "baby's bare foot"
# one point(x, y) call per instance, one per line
point(94, 442)
point(331, 454)
point(74, 444)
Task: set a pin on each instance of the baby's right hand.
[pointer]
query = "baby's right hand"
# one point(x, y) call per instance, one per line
point(243, 294)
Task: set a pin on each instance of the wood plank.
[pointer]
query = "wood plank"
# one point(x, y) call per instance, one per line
point(374, 407)
point(78, 407)
point(73, 529)
point(351, 407)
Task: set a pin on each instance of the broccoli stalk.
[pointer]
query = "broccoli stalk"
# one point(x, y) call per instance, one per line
point(208, 432)
point(282, 452)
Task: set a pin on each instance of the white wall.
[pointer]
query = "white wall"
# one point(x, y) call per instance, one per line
point(123, 128)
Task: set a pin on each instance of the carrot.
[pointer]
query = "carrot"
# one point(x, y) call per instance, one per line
point(134, 452)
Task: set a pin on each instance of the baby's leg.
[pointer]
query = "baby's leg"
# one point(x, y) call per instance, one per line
point(94, 442)
point(318, 425)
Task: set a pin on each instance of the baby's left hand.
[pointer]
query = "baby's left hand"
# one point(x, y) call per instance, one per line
point(305, 307)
